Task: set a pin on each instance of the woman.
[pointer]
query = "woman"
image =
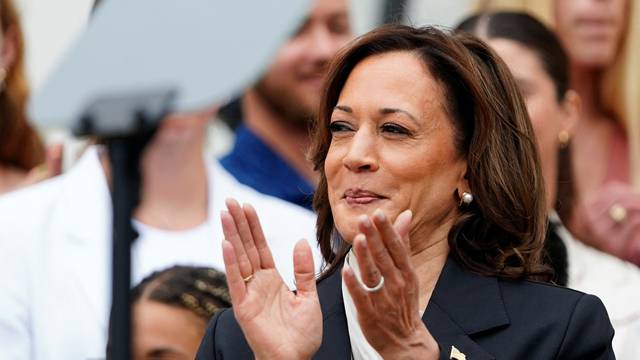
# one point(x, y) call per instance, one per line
point(601, 38)
point(171, 309)
point(20, 146)
point(428, 130)
point(540, 67)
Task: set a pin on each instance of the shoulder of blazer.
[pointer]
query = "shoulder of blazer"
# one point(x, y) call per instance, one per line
point(488, 317)
point(575, 323)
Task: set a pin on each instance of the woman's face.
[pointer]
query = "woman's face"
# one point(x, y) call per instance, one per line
point(163, 331)
point(591, 30)
point(548, 116)
point(392, 147)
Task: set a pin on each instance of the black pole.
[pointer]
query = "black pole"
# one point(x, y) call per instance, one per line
point(124, 156)
point(126, 122)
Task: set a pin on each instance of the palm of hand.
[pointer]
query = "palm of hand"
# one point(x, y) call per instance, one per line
point(273, 317)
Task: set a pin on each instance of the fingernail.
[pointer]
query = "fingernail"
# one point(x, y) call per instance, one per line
point(407, 213)
point(361, 238)
point(364, 220)
point(379, 215)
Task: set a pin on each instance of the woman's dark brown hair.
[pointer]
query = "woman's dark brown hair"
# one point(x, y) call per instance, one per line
point(502, 233)
point(534, 35)
point(20, 145)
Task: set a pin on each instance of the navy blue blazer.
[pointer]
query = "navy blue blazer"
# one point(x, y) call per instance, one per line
point(483, 317)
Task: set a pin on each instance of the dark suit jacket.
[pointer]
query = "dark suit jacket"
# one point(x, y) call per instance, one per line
point(483, 317)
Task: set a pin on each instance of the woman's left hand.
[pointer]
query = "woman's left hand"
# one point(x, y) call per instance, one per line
point(390, 316)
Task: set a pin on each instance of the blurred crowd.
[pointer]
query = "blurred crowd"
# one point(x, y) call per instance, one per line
point(576, 64)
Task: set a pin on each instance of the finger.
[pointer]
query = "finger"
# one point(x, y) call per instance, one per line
point(304, 269)
point(54, 159)
point(360, 296)
point(244, 232)
point(369, 273)
point(402, 225)
point(376, 247)
point(266, 259)
point(231, 235)
point(396, 238)
point(235, 280)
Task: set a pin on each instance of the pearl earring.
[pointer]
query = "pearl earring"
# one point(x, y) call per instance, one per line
point(466, 199)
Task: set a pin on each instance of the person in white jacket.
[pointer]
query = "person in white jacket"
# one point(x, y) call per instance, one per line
point(540, 66)
point(55, 239)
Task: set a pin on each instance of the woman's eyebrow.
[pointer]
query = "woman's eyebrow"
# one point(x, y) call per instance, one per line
point(344, 108)
point(387, 111)
point(161, 353)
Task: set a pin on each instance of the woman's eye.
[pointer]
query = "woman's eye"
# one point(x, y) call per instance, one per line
point(339, 126)
point(394, 129)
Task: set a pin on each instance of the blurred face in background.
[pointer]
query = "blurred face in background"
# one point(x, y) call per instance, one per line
point(591, 30)
point(292, 84)
point(163, 331)
point(7, 49)
point(549, 116)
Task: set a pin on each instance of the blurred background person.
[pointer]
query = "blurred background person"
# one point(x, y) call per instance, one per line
point(20, 146)
point(602, 38)
point(55, 242)
point(540, 67)
point(272, 134)
point(171, 310)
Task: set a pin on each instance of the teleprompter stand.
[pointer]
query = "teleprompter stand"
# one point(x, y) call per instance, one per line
point(126, 123)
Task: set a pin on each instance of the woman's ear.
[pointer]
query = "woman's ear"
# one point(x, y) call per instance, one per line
point(572, 109)
point(9, 48)
point(463, 181)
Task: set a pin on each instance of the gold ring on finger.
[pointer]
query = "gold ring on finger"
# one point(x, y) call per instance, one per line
point(617, 213)
point(248, 278)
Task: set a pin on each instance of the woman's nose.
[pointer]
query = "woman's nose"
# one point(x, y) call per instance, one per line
point(361, 155)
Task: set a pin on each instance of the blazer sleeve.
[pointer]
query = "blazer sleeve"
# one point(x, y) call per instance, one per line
point(589, 332)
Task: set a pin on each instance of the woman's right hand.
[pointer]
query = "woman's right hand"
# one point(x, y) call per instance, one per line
point(612, 221)
point(277, 323)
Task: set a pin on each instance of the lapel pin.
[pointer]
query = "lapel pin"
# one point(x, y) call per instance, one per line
point(456, 354)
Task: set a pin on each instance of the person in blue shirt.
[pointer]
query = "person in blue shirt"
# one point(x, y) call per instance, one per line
point(273, 133)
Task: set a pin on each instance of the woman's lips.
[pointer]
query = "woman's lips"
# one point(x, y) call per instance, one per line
point(361, 197)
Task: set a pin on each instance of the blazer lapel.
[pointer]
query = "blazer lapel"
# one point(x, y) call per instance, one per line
point(464, 304)
point(335, 342)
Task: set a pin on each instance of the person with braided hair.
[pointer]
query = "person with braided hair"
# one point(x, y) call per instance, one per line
point(171, 309)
